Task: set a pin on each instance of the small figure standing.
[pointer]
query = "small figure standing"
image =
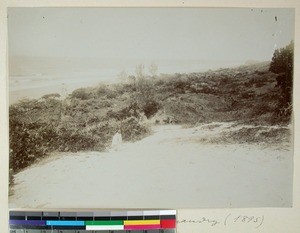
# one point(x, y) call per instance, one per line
point(116, 141)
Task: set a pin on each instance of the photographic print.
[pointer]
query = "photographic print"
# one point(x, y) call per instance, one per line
point(150, 107)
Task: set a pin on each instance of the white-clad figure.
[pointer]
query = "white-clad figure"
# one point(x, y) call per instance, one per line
point(116, 141)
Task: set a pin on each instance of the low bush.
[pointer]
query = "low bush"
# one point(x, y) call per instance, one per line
point(132, 130)
point(82, 93)
point(150, 108)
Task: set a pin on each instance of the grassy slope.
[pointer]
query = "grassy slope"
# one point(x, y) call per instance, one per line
point(244, 94)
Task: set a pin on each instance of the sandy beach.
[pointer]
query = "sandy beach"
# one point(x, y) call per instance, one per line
point(34, 87)
point(169, 169)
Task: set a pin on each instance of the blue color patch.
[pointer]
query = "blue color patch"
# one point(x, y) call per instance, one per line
point(65, 223)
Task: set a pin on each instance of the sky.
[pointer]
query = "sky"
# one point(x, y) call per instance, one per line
point(183, 34)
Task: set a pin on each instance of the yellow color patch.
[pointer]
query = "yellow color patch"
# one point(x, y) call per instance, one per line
point(141, 222)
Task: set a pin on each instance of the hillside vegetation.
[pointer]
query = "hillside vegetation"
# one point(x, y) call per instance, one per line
point(89, 117)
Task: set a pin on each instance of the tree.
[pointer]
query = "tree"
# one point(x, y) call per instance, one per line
point(282, 64)
point(282, 60)
point(139, 70)
point(153, 69)
point(123, 75)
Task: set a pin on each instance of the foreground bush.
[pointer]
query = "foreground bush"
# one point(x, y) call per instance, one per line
point(39, 127)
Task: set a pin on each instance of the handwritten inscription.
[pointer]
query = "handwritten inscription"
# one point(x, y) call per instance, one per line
point(230, 219)
point(212, 222)
point(254, 220)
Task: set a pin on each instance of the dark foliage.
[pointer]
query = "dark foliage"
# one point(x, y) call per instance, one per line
point(132, 130)
point(282, 64)
point(82, 94)
point(150, 108)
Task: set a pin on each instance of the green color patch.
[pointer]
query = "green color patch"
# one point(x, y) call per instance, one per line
point(112, 222)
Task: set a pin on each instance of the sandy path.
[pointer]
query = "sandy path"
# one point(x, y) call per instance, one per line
point(165, 170)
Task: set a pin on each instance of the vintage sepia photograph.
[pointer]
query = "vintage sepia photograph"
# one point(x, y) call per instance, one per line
point(150, 107)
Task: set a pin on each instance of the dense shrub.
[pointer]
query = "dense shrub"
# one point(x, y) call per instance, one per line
point(282, 64)
point(82, 93)
point(180, 86)
point(74, 140)
point(32, 141)
point(101, 90)
point(262, 108)
point(80, 122)
point(150, 108)
point(133, 130)
point(128, 111)
point(26, 144)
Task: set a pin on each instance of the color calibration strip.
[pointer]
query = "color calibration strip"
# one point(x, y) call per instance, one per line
point(151, 221)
